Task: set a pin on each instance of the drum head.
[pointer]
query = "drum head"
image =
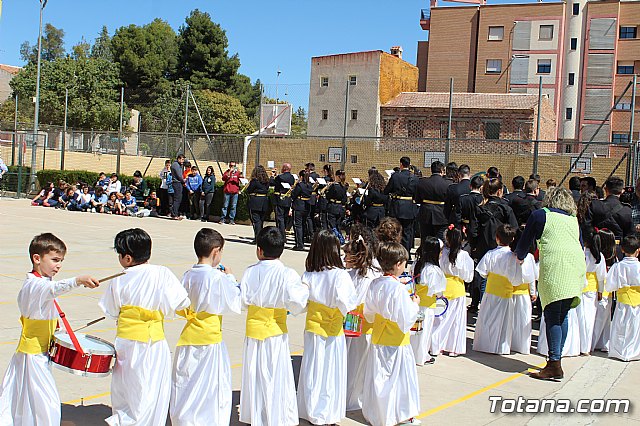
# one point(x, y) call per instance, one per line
point(90, 344)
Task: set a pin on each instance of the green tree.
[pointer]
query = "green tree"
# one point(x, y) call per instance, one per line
point(102, 46)
point(221, 113)
point(82, 50)
point(52, 46)
point(299, 122)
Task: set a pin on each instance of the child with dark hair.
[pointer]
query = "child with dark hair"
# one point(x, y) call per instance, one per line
point(389, 229)
point(269, 289)
point(28, 393)
point(602, 324)
point(359, 252)
point(323, 383)
point(140, 300)
point(450, 330)
point(429, 283)
point(201, 387)
point(391, 391)
point(624, 279)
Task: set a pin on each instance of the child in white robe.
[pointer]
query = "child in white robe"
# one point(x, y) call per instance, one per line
point(429, 283)
point(140, 300)
point(624, 279)
point(391, 391)
point(523, 298)
point(269, 289)
point(201, 389)
point(602, 323)
point(322, 387)
point(494, 327)
point(28, 393)
point(450, 329)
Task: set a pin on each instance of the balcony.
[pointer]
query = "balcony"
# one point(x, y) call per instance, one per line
point(425, 19)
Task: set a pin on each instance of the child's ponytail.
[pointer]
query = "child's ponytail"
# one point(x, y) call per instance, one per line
point(454, 242)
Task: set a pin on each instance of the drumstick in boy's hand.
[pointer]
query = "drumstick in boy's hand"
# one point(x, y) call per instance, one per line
point(88, 281)
point(110, 277)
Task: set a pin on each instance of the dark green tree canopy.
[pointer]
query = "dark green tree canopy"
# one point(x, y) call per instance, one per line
point(102, 46)
point(52, 46)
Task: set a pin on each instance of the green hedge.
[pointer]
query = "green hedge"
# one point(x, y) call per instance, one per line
point(73, 176)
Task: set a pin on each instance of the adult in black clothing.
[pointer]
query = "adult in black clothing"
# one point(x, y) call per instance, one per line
point(610, 213)
point(336, 196)
point(313, 221)
point(587, 184)
point(282, 202)
point(467, 208)
point(451, 172)
point(321, 203)
point(574, 187)
point(494, 173)
point(258, 203)
point(538, 179)
point(177, 182)
point(300, 197)
point(431, 193)
point(517, 183)
point(454, 192)
point(523, 207)
point(401, 189)
point(374, 200)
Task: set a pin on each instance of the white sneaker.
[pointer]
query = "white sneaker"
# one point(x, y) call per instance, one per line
point(93, 210)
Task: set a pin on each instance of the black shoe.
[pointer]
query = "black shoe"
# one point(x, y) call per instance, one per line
point(203, 220)
point(296, 248)
point(472, 309)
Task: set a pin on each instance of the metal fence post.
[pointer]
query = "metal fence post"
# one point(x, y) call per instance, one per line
point(447, 146)
point(120, 130)
point(633, 146)
point(536, 144)
point(64, 131)
point(343, 156)
point(14, 140)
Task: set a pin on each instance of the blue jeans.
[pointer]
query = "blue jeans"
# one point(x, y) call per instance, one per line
point(230, 202)
point(556, 319)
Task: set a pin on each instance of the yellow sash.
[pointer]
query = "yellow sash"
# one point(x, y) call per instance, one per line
point(605, 294)
point(36, 335)
point(266, 322)
point(425, 300)
point(521, 290)
point(592, 283)
point(367, 327)
point(202, 328)
point(499, 285)
point(139, 324)
point(455, 288)
point(324, 321)
point(629, 295)
point(387, 333)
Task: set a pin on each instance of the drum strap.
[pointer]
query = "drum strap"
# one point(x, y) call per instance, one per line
point(323, 320)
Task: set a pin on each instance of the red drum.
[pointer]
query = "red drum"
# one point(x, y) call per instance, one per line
point(353, 322)
point(96, 363)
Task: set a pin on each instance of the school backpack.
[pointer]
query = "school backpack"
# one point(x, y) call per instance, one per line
point(490, 216)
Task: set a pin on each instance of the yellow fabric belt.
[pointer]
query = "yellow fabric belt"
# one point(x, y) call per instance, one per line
point(387, 333)
point(521, 290)
point(629, 295)
point(592, 283)
point(425, 300)
point(403, 198)
point(466, 221)
point(455, 288)
point(377, 205)
point(437, 203)
point(605, 294)
point(139, 324)
point(305, 199)
point(499, 285)
point(367, 327)
point(335, 201)
point(202, 328)
point(36, 335)
point(259, 195)
point(266, 322)
point(324, 321)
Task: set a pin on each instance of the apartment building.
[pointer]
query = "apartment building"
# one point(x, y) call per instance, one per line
point(583, 52)
point(347, 90)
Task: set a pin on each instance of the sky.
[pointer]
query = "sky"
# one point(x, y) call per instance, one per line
point(268, 36)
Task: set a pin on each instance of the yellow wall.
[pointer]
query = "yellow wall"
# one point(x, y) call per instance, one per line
point(396, 76)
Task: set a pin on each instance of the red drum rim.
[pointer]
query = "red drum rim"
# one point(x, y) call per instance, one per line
point(349, 333)
point(69, 345)
point(79, 372)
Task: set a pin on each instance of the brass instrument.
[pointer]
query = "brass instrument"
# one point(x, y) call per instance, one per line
point(288, 193)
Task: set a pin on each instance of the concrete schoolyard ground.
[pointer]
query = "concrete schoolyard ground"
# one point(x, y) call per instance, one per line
point(453, 390)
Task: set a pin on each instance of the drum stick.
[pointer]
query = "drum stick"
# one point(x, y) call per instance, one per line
point(89, 324)
point(110, 277)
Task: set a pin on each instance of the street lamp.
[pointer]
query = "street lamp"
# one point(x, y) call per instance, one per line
point(32, 182)
point(277, 79)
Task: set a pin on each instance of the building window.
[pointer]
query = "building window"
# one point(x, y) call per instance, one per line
point(492, 130)
point(620, 138)
point(576, 9)
point(494, 66)
point(496, 33)
point(623, 106)
point(387, 127)
point(324, 81)
point(568, 115)
point(544, 66)
point(625, 68)
point(354, 114)
point(574, 43)
point(572, 79)
point(325, 114)
point(354, 159)
point(628, 32)
point(546, 32)
point(353, 80)
point(323, 158)
point(415, 128)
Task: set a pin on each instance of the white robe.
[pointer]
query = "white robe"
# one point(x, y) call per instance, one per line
point(141, 381)
point(432, 276)
point(588, 306)
point(495, 325)
point(358, 347)
point(624, 343)
point(572, 343)
point(391, 391)
point(450, 329)
point(28, 394)
point(266, 364)
point(201, 390)
point(322, 386)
